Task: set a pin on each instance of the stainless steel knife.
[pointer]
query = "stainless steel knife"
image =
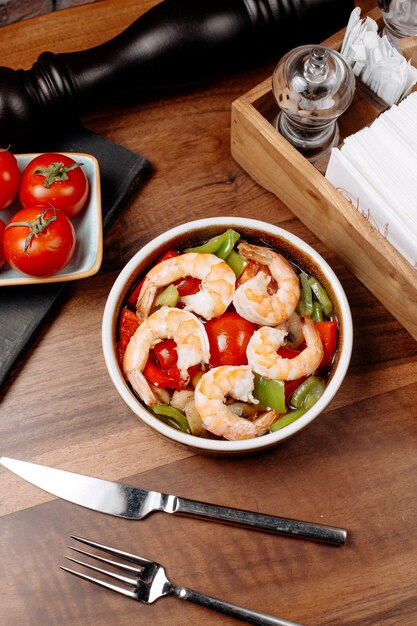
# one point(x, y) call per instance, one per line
point(135, 503)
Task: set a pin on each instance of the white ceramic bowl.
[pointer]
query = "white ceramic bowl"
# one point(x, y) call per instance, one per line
point(194, 233)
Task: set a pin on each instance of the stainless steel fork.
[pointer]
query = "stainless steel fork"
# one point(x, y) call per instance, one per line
point(148, 582)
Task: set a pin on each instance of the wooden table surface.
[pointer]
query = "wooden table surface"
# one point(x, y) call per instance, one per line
point(354, 467)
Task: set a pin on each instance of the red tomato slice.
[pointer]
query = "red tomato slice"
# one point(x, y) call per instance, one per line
point(166, 353)
point(287, 353)
point(170, 378)
point(133, 298)
point(128, 323)
point(229, 335)
point(188, 286)
point(328, 333)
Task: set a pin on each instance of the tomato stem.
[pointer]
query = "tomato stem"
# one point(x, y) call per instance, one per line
point(55, 172)
point(37, 226)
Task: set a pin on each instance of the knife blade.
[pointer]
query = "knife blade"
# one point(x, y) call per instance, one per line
point(135, 503)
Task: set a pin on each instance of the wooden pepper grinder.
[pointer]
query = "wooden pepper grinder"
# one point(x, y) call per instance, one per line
point(177, 43)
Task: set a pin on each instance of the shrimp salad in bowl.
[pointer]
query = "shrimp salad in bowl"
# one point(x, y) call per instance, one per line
point(227, 331)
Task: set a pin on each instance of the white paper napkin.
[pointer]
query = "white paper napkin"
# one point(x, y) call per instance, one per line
point(375, 61)
point(376, 170)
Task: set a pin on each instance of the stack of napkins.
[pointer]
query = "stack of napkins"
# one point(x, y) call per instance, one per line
point(376, 170)
point(375, 61)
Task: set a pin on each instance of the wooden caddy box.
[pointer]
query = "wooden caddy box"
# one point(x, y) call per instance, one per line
point(276, 165)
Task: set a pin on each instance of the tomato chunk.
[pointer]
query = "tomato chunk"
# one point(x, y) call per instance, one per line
point(229, 336)
point(187, 286)
point(161, 368)
point(128, 323)
point(169, 379)
point(328, 333)
point(166, 353)
point(288, 353)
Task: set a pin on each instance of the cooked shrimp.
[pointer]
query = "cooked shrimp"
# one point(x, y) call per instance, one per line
point(210, 395)
point(264, 359)
point(265, 421)
point(217, 283)
point(167, 323)
point(252, 300)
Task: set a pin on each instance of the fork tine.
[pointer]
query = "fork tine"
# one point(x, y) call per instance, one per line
point(122, 566)
point(114, 551)
point(100, 583)
point(124, 579)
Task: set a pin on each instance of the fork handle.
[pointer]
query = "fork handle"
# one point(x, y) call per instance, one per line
point(259, 521)
point(233, 610)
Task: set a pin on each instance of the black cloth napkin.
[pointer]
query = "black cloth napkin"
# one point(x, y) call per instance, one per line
point(25, 309)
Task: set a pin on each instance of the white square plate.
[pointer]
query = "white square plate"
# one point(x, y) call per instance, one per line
point(88, 230)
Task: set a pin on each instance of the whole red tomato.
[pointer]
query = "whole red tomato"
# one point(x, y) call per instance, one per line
point(39, 241)
point(229, 335)
point(2, 259)
point(9, 178)
point(55, 179)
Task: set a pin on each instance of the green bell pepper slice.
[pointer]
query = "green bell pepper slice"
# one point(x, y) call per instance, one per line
point(221, 245)
point(305, 303)
point(287, 419)
point(172, 417)
point(210, 246)
point(237, 262)
point(317, 312)
point(321, 296)
point(303, 398)
point(270, 393)
point(307, 394)
point(227, 245)
point(167, 297)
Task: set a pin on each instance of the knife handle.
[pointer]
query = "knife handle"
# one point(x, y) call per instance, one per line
point(259, 521)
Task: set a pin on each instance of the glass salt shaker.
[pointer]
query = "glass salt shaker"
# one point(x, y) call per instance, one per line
point(400, 19)
point(313, 86)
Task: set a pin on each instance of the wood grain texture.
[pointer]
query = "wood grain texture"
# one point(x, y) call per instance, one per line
point(354, 467)
point(15, 10)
